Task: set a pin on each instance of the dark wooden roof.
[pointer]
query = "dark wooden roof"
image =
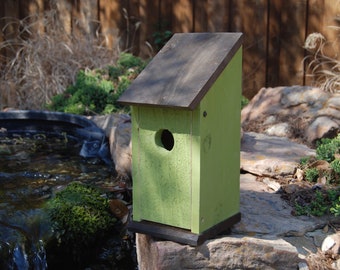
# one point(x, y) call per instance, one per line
point(183, 71)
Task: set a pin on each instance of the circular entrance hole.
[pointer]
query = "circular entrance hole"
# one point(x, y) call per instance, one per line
point(165, 139)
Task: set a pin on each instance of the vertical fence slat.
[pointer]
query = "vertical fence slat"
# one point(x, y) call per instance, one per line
point(64, 9)
point(149, 18)
point(200, 16)
point(109, 16)
point(292, 37)
point(85, 17)
point(182, 16)
point(217, 15)
point(273, 42)
point(250, 17)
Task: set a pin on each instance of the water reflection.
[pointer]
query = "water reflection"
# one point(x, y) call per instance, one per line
point(32, 169)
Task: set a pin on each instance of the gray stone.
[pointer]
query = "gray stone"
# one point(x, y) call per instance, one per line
point(264, 212)
point(232, 252)
point(306, 110)
point(280, 130)
point(321, 127)
point(271, 156)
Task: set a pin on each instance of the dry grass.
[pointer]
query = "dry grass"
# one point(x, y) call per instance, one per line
point(44, 63)
point(324, 68)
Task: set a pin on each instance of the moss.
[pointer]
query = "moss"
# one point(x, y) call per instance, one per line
point(80, 219)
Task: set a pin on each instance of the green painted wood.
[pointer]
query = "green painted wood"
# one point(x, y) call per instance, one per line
point(162, 178)
point(216, 192)
point(196, 184)
point(186, 160)
point(182, 73)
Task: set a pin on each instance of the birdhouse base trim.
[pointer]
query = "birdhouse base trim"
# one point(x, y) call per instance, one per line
point(179, 235)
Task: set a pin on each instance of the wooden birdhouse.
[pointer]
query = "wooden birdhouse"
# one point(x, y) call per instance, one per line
point(185, 109)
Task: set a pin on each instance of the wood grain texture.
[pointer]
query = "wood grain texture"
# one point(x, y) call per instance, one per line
point(183, 71)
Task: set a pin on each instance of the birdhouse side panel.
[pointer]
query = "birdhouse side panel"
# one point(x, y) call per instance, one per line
point(220, 148)
point(161, 158)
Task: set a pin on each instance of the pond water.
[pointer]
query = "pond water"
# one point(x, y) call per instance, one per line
point(32, 168)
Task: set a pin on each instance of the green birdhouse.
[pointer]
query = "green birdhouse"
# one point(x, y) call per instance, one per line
point(185, 110)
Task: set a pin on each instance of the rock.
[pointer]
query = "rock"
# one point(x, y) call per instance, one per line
point(321, 127)
point(303, 266)
point(279, 129)
point(264, 212)
point(231, 252)
point(298, 112)
point(271, 156)
point(331, 244)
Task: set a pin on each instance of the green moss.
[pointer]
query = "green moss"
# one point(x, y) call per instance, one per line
point(80, 218)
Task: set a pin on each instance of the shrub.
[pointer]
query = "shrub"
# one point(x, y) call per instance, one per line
point(97, 91)
point(312, 174)
point(327, 148)
point(322, 203)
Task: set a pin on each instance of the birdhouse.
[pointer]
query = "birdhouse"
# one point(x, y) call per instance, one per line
point(185, 111)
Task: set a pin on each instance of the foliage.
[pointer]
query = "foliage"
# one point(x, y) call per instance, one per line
point(80, 217)
point(97, 91)
point(335, 209)
point(161, 36)
point(322, 203)
point(244, 102)
point(328, 148)
point(312, 174)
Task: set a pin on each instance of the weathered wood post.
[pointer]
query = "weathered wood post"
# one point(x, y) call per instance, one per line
point(185, 108)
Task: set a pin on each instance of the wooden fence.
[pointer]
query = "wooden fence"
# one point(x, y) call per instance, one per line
point(275, 30)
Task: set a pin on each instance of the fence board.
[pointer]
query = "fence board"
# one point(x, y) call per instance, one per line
point(149, 19)
point(274, 30)
point(217, 15)
point(182, 16)
point(292, 37)
point(250, 17)
point(273, 42)
point(200, 19)
point(109, 18)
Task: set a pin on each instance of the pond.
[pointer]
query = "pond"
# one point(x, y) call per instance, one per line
point(34, 165)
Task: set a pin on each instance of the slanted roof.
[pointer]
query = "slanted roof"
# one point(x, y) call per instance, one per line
point(183, 71)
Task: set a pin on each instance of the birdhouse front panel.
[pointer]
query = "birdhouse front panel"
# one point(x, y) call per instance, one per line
point(162, 152)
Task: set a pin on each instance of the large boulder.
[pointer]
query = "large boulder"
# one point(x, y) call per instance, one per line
point(234, 252)
point(300, 113)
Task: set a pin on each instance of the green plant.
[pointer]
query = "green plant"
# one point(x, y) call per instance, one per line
point(244, 102)
point(327, 148)
point(305, 160)
point(323, 202)
point(97, 91)
point(335, 165)
point(312, 174)
point(161, 36)
point(80, 218)
point(335, 209)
